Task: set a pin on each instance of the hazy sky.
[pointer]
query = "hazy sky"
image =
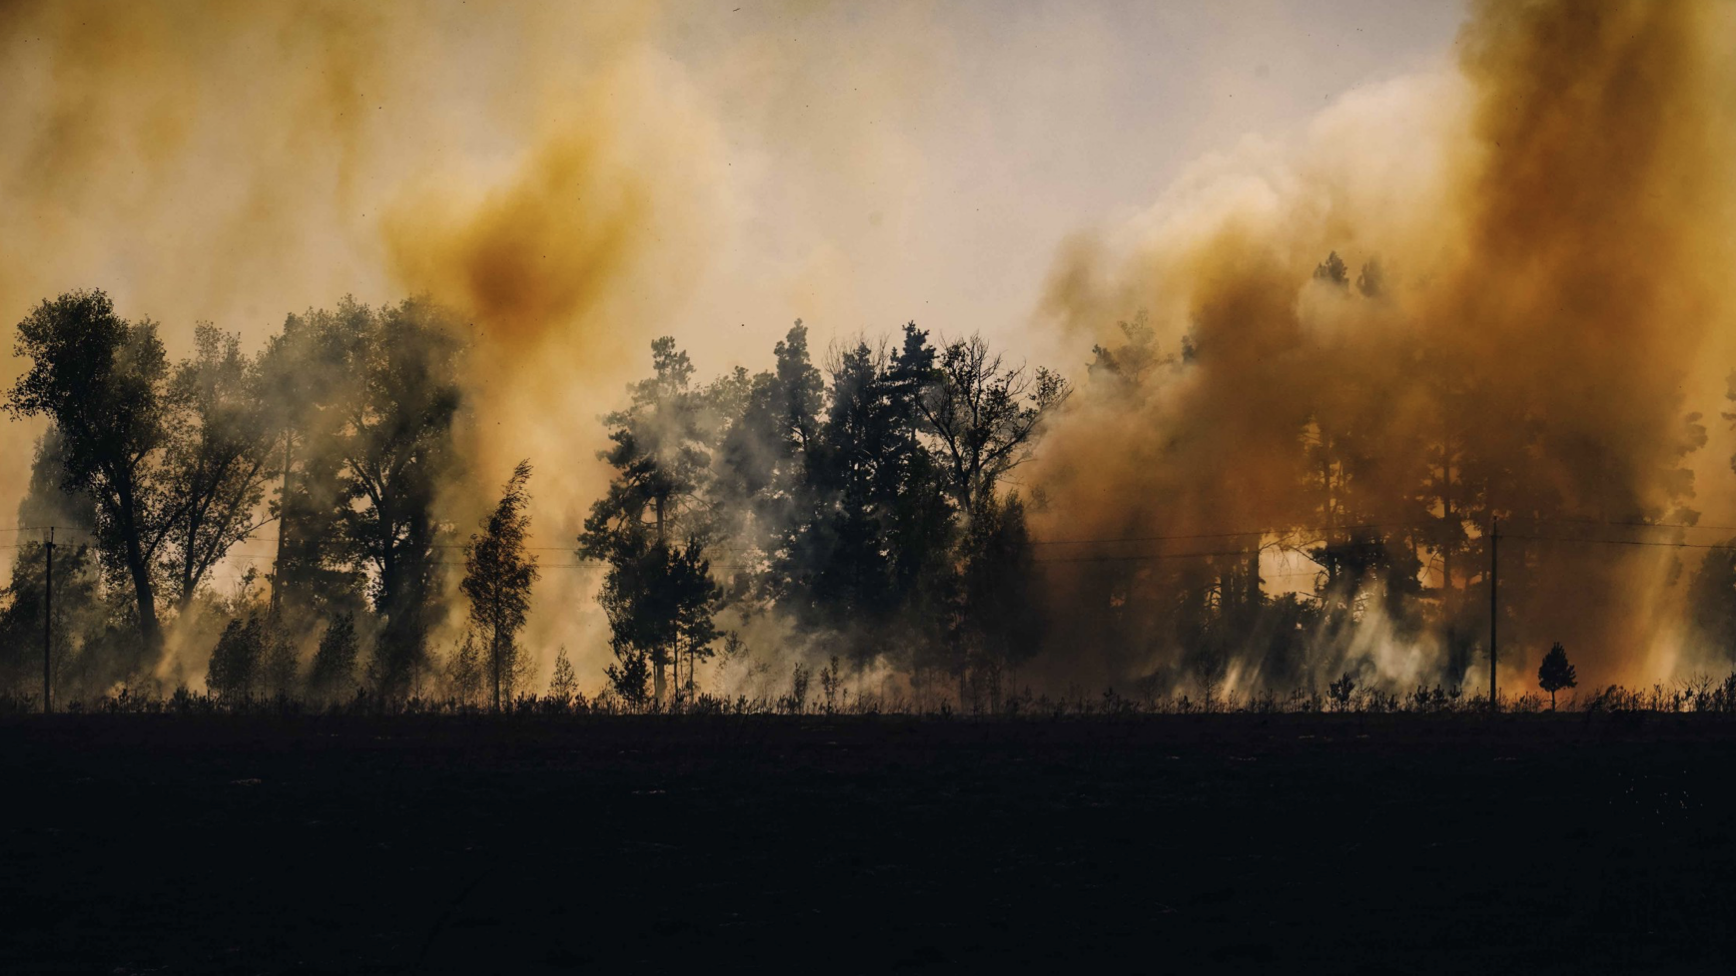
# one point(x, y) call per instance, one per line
point(941, 194)
point(867, 163)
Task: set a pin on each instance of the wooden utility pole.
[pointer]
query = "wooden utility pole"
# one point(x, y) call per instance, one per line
point(48, 626)
point(1494, 607)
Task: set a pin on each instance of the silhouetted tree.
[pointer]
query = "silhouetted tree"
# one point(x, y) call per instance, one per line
point(985, 415)
point(215, 463)
point(311, 385)
point(768, 421)
point(874, 513)
point(464, 671)
point(1555, 673)
point(1333, 270)
point(78, 605)
point(333, 672)
point(1002, 604)
point(1126, 367)
point(1371, 281)
point(498, 575)
point(397, 449)
point(236, 660)
point(100, 379)
point(630, 675)
point(660, 461)
point(1712, 599)
point(564, 682)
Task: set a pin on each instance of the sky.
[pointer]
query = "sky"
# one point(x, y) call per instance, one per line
point(868, 164)
point(941, 193)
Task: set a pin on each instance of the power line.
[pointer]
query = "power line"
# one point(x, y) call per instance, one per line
point(1231, 535)
point(1638, 525)
point(1624, 542)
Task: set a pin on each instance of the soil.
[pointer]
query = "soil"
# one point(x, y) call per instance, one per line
point(1236, 843)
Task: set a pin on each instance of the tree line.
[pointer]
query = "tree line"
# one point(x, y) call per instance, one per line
point(858, 503)
point(855, 507)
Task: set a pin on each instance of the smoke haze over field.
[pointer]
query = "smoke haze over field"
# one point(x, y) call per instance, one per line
point(1539, 205)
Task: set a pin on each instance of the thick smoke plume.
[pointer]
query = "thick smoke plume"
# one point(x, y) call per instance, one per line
point(1531, 320)
point(207, 161)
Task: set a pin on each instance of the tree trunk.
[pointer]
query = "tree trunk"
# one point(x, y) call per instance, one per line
point(659, 658)
point(494, 657)
point(140, 571)
point(282, 525)
point(185, 599)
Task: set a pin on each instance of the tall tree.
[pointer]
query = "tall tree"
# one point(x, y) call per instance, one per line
point(1001, 604)
point(333, 672)
point(309, 385)
point(876, 524)
point(498, 573)
point(215, 463)
point(986, 415)
point(760, 462)
point(661, 459)
point(1555, 673)
point(101, 379)
point(76, 596)
point(236, 660)
point(397, 449)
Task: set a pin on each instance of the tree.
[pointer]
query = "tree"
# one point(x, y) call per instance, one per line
point(235, 661)
point(766, 426)
point(1001, 602)
point(986, 415)
point(1124, 368)
point(78, 605)
point(278, 665)
point(564, 683)
point(498, 573)
point(464, 671)
point(1712, 599)
point(660, 459)
point(217, 447)
point(1333, 270)
point(310, 385)
point(333, 673)
point(396, 445)
point(629, 675)
point(872, 507)
point(1555, 673)
point(100, 379)
point(692, 598)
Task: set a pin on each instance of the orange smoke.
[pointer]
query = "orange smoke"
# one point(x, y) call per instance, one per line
point(1547, 236)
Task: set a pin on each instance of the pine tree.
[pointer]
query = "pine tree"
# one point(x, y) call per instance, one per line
point(278, 669)
point(1555, 673)
point(464, 671)
point(661, 464)
point(333, 673)
point(498, 575)
point(564, 684)
point(235, 661)
point(630, 675)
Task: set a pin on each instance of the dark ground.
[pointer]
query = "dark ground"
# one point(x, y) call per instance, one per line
point(1398, 843)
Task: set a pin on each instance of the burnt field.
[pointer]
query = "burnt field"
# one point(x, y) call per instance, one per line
point(137, 844)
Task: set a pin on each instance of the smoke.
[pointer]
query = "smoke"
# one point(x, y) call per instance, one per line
point(1543, 240)
point(1543, 230)
point(541, 168)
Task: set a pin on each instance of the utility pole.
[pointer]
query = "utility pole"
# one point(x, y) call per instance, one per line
point(48, 626)
point(1494, 608)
